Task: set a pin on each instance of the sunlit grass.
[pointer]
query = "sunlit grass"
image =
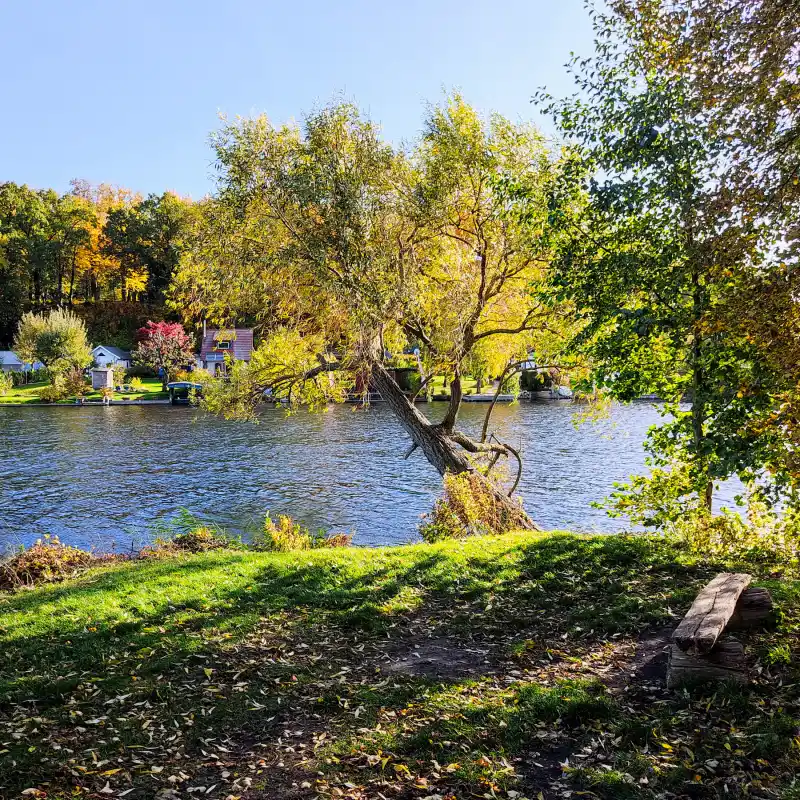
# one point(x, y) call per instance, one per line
point(30, 393)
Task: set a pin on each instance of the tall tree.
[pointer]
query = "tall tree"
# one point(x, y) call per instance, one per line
point(741, 61)
point(368, 251)
point(57, 339)
point(148, 239)
point(97, 272)
point(41, 233)
point(646, 261)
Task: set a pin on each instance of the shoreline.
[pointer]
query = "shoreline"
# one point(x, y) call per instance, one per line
point(92, 403)
point(99, 404)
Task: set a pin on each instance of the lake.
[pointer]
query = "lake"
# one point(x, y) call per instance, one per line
point(103, 477)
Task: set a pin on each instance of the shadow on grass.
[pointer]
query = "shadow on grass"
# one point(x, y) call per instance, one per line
point(614, 584)
point(164, 657)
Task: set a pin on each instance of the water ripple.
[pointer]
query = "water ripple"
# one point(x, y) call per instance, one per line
point(103, 476)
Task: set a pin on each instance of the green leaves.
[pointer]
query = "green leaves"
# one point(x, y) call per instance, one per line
point(57, 339)
point(648, 258)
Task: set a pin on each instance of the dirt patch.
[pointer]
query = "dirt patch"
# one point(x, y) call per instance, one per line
point(437, 658)
point(647, 664)
point(543, 771)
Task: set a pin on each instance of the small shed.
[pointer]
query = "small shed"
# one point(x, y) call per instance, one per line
point(103, 378)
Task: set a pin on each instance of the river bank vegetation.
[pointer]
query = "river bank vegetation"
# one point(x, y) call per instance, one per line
point(651, 250)
point(38, 391)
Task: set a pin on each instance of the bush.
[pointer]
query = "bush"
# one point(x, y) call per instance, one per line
point(286, 534)
point(32, 376)
point(119, 373)
point(199, 540)
point(69, 384)
point(74, 383)
point(764, 536)
point(137, 384)
point(6, 382)
point(184, 375)
point(45, 561)
point(466, 508)
point(54, 393)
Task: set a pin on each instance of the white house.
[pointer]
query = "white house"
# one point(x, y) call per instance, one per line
point(11, 362)
point(107, 356)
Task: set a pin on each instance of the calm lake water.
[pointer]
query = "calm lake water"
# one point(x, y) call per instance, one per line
point(104, 477)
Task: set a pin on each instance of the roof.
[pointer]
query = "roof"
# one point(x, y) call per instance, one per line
point(241, 344)
point(122, 355)
point(9, 357)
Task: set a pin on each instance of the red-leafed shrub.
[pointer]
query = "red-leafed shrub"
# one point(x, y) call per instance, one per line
point(163, 347)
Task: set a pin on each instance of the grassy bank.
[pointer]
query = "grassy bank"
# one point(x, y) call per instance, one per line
point(518, 664)
point(151, 390)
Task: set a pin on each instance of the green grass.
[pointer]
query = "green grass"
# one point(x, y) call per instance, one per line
point(468, 385)
point(151, 390)
point(476, 668)
point(23, 394)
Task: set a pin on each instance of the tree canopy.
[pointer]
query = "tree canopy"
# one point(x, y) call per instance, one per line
point(57, 339)
point(90, 244)
point(354, 254)
point(164, 347)
point(663, 259)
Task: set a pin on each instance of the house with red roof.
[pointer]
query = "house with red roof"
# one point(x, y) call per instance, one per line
point(222, 346)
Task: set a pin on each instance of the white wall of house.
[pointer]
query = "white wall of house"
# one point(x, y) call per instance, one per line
point(104, 358)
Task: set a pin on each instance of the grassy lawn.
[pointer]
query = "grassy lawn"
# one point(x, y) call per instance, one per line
point(517, 666)
point(469, 385)
point(23, 394)
point(151, 390)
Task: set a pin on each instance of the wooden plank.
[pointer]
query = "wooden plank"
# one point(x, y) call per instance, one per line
point(713, 607)
point(754, 610)
point(725, 662)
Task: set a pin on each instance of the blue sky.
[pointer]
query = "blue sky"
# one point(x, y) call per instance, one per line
point(127, 92)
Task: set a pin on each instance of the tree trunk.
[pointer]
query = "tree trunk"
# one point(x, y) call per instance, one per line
point(698, 380)
point(60, 281)
point(435, 442)
point(456, 393)
point(72, 278)
point(442, 453)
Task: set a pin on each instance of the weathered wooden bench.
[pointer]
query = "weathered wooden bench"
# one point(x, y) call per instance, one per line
point(726, 603)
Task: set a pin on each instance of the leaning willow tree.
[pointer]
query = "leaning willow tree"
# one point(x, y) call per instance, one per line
point(348, 250)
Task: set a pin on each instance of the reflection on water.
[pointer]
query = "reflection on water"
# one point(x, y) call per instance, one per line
point(105, 476)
